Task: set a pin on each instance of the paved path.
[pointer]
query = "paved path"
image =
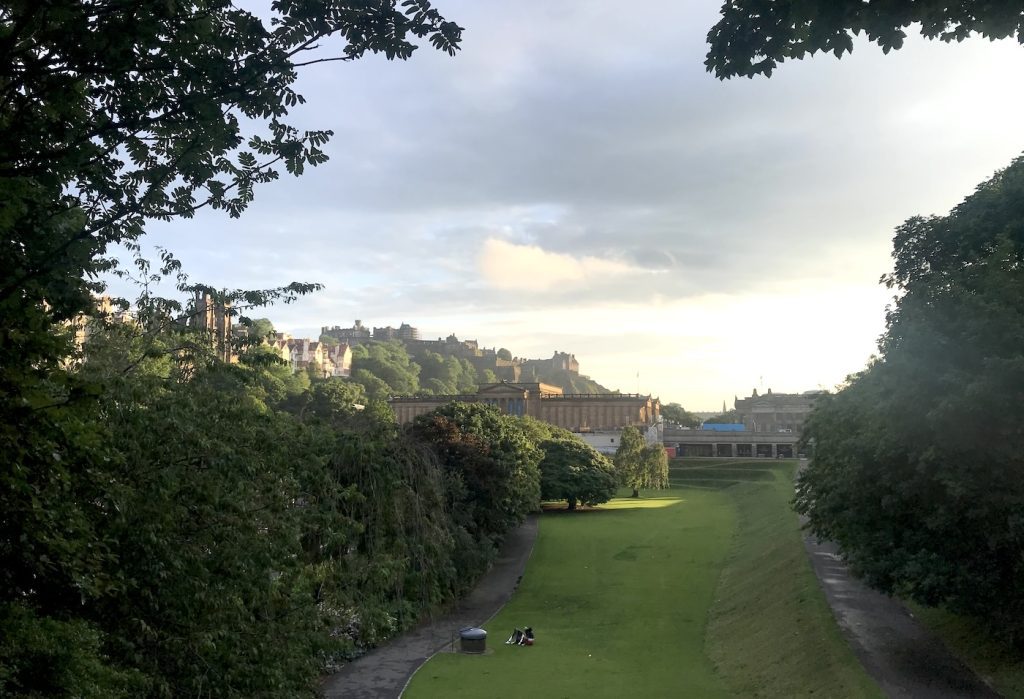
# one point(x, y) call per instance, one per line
point(383, 672)
point(906, 659)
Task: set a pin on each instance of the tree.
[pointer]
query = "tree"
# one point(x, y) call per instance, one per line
point(114, 114)
point(504, 354)
point(390, 363)
point(629, 459)
point(655, 467)
point(492, 457)
point(753, 37)
point(375, 388)
point(573, 471)
point(110, 120)
point(673, 412)
point(262, 329)
point(917, 472)
point(731, 417)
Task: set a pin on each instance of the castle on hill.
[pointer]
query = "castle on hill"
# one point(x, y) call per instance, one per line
point(509, 369)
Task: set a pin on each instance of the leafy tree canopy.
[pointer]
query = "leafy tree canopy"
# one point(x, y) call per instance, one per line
point(153, 512)
point(918, 472)
point(259, 329)
point(114, 113)
point(389, 363)
point(494, 458)
point(731, 417)
point(673, 412)
point(629, 465)
point(753, 36)
point(638, 465)
point(573, 471)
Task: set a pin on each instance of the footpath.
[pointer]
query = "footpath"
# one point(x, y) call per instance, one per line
point(906, 659)
point(384, 672)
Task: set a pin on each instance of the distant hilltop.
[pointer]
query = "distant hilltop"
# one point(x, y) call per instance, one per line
point(561, 369)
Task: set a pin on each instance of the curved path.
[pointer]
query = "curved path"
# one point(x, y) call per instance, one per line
point(383, 672)
point(906, 659)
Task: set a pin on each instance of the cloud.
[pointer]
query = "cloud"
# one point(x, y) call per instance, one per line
point(512, 267)
point(574, 164)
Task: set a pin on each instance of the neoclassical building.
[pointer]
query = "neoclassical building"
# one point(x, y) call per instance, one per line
point(775, 412)
point(573, 411)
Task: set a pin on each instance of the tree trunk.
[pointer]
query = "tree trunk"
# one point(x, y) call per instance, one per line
point(572, 503)
point(636, 493)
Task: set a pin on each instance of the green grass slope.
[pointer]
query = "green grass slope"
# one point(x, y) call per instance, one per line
point(967, 638)
point(771, 632)
point(618, 598)
point(700, 591)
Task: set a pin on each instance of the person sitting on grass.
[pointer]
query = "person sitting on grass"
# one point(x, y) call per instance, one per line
point(521, 637)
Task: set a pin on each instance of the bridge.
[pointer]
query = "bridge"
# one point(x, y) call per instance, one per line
point(726, 444)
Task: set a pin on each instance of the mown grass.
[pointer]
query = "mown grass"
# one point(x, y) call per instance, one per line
point(990, 659)
point(618, 599)
point(771, 631)
point(700, 591)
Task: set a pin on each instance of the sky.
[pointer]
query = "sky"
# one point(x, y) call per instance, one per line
point(574, 180)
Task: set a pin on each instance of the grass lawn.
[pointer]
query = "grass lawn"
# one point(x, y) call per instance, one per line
point(618, 598)
point(699, 591)
point(772, 633)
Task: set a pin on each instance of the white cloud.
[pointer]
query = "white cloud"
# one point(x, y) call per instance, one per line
point(513, 267)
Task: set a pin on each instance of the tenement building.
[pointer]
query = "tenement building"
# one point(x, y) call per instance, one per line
point(573, 411)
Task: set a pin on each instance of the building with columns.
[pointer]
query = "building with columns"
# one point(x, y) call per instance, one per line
point(573, 411)
point(775, 412)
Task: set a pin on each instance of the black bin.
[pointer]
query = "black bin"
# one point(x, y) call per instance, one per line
point(472, 640)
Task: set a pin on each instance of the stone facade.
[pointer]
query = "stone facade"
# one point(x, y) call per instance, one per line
point(775, 412)
point(574, 412)
point(357, 334)
point(560, 361)
point(213, 317)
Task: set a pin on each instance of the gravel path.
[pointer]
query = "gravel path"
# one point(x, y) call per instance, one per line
point(384, 672)
point(906, 659)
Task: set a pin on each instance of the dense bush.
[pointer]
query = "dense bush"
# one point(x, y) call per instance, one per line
point(222, 530)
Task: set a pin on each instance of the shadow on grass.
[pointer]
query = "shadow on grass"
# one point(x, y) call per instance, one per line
point(730, 474)
point(702, 483)
point(740, 463)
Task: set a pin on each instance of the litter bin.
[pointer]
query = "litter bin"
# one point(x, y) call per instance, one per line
point(472, 640)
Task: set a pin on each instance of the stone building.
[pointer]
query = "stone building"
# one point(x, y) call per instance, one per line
point(404, 332)
point(574, 412)
point(213, 317)
point(356, 335)
point(337, 360)
point(560, 361)
point(775, 412)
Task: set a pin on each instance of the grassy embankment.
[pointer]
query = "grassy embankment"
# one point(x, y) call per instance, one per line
point(968, 640)
point(703, 590)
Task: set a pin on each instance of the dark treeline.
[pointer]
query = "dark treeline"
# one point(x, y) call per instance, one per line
point(918, 469)
point(232, 530)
